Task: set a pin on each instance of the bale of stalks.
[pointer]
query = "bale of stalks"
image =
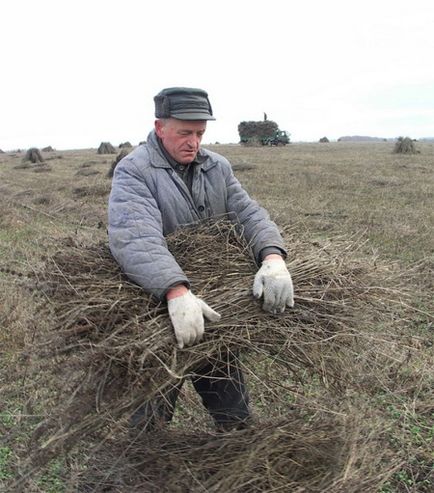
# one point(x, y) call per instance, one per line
point(298, 452)
point(124, 152)
point(33, 155)
point(126, 145)
point(259, 129)
point(404, 145)
point(109, 347)
point(47, 149)
point(106, 148)
point(112, 346)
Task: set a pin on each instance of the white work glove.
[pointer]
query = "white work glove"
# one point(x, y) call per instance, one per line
point(186, 313)
point(274, 282)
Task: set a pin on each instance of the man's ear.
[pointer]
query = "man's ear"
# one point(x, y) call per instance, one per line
point(158, 127)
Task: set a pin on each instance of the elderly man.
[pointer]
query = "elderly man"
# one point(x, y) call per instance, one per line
point(168, 182)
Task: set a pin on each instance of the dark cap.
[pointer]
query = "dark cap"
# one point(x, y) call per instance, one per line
point(183, 103)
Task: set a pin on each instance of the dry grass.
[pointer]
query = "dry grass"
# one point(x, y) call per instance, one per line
point(347, 413)
point(348, 188)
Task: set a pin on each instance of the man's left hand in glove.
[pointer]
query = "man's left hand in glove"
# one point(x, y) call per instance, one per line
point(273, 281)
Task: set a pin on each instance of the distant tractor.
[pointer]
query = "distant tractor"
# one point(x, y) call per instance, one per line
point(262, 133)
point(280, 138)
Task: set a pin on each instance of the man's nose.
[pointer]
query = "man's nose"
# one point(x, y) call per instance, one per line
point(193, 140)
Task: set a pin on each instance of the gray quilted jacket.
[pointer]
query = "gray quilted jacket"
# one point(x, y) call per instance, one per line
point(149, 200)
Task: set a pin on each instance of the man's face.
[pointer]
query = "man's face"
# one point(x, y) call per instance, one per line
point(181, 138)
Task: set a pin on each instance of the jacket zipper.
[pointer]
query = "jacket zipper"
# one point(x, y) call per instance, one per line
point(185, 192)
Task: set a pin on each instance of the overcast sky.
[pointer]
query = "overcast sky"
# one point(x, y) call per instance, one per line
point(75, 73)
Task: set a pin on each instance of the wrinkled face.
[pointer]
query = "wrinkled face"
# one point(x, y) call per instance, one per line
point(181, 138)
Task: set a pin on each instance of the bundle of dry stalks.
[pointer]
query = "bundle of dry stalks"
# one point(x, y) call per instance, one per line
point(112, 346)
point(404, 145)
point(33, 155)
point(106, 148)
point(298, 453)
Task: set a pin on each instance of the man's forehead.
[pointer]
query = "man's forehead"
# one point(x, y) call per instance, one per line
point(193, 125)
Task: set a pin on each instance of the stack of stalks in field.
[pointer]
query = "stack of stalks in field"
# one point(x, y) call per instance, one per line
point(252, 132)
point(33, 155)
point(404, 145)
point(110, 347)
point(124, 152)
point(106, 148)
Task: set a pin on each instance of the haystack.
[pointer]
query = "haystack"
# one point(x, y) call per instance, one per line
point(33, 155)
point(253, 133)
point(106, 148)
point(324, 140)
point(110, 346)
point(121, 155)
point(47, 149)
point(404, 145)
point(259, 129)
point(126, 145)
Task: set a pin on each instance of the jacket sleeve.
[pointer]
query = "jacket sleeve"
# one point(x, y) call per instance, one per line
point(258, 229)
point(136, 233)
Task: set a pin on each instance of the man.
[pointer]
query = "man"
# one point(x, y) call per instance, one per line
point(171, 181)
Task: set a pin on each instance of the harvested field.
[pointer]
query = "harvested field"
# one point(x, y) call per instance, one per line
point(341, 386)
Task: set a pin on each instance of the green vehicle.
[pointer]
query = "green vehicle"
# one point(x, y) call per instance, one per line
point(280, 138)
point(257, 133)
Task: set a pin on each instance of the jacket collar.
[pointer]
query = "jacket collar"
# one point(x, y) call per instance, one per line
point(158, 160)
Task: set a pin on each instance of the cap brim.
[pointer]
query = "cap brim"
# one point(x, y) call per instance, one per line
point(192, 116)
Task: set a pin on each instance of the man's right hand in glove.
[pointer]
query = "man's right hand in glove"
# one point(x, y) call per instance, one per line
point(187, 314)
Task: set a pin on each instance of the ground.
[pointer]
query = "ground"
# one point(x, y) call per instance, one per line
point(334, 190)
